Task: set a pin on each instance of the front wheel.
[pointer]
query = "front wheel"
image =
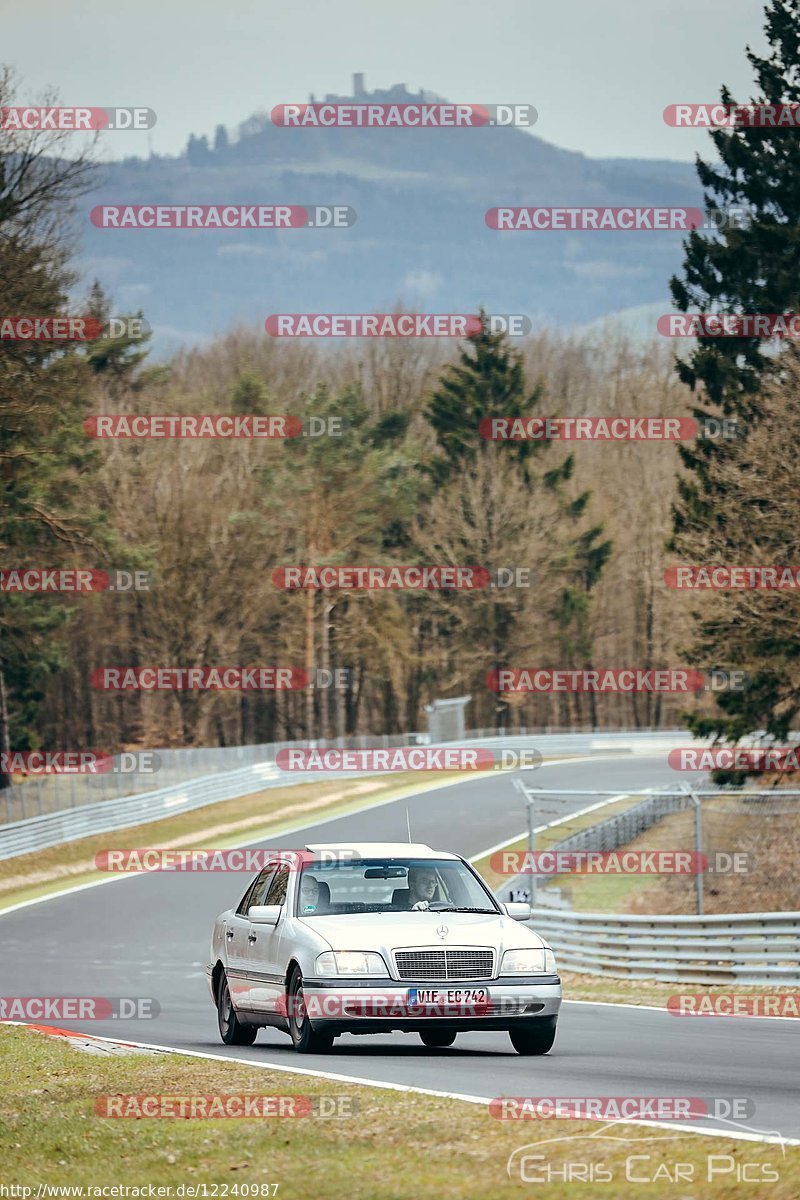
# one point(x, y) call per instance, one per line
point(306, 1040)
point(231, 1030)
point(535, 1038)
point(435, 1038)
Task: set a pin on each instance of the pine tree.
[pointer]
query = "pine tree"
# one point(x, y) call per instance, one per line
point(47, 509)
point(751, 266)
point(488, 380)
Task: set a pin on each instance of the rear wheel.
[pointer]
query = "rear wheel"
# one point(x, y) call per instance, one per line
point(435, 1038)
point(306, 1039)
point(231, 1030)
point(536, 1038)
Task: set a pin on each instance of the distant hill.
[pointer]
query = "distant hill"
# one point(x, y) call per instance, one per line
point(420, 236)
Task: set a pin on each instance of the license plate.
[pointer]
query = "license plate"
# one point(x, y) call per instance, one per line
point(447, 997)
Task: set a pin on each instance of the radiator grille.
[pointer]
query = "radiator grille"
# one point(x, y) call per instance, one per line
point(444, 964)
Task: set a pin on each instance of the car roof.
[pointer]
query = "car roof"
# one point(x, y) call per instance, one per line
point(380, 849)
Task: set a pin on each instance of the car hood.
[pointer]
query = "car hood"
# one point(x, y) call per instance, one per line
point(394, 931)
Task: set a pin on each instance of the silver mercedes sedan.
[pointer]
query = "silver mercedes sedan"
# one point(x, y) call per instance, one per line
point(378, 937)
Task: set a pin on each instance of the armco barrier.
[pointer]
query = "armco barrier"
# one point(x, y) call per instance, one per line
point(761, 949)
point(53, 828)
point(53, 793)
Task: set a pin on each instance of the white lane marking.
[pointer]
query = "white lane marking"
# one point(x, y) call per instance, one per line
point(361, 1081)
point(277, 832)
point(661, 1009)
point(551, 824)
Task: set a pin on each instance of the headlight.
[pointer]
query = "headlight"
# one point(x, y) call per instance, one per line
point(350, 962)
point(539, 961)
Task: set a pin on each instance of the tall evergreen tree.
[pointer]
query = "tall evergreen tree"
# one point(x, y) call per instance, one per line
point(750, 266)
point(488, 380)
point(47, 509)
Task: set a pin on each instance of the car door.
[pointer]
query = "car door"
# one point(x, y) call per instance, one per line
point(237, 930)
point(266, 980)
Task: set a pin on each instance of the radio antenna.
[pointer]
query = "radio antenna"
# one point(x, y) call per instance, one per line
point(408, 825)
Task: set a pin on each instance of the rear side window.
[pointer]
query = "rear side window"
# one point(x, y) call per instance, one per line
point(276, 893)
point(256, 890)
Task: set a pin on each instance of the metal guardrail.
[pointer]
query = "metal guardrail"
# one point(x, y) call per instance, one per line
point(760, 949)
point(136, 772)
point(53, 793)
point(53, 828)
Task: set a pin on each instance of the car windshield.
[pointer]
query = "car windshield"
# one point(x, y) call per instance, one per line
point(378, 885)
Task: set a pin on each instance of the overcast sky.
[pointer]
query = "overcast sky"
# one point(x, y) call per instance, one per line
point(600, 72)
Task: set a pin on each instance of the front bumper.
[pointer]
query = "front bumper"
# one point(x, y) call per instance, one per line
point(375, 1005)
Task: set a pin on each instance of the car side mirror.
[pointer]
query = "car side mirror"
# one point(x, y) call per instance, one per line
point(264, 914)
point(518, 911)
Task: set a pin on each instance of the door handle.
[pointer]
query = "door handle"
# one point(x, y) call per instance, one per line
point(229, 933)
point(252, 937)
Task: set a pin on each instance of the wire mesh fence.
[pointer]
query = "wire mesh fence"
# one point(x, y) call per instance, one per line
point(41, 794)
point(740, 850)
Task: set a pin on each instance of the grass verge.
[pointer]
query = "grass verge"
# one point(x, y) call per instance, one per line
point(245, 819)
point(392, 1146)
point(600, 988)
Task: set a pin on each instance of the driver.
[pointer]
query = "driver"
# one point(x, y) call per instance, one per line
point(309, 893)
point(422, 884)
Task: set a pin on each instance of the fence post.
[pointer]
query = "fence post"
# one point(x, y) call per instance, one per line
point(527, 795)
point(698, 845)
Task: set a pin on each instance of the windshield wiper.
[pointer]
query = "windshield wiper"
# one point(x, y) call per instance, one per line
point(459, 908)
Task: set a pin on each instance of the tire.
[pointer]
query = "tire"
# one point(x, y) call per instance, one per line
point(305, 1039)
point(437, 1038)
point(231, 1030)
point(535, 1038)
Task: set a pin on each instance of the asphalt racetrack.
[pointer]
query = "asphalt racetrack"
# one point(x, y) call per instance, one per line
point(148, 935)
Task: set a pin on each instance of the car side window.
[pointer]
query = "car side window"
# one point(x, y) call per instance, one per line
point(256, 890)
point(276, 893)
